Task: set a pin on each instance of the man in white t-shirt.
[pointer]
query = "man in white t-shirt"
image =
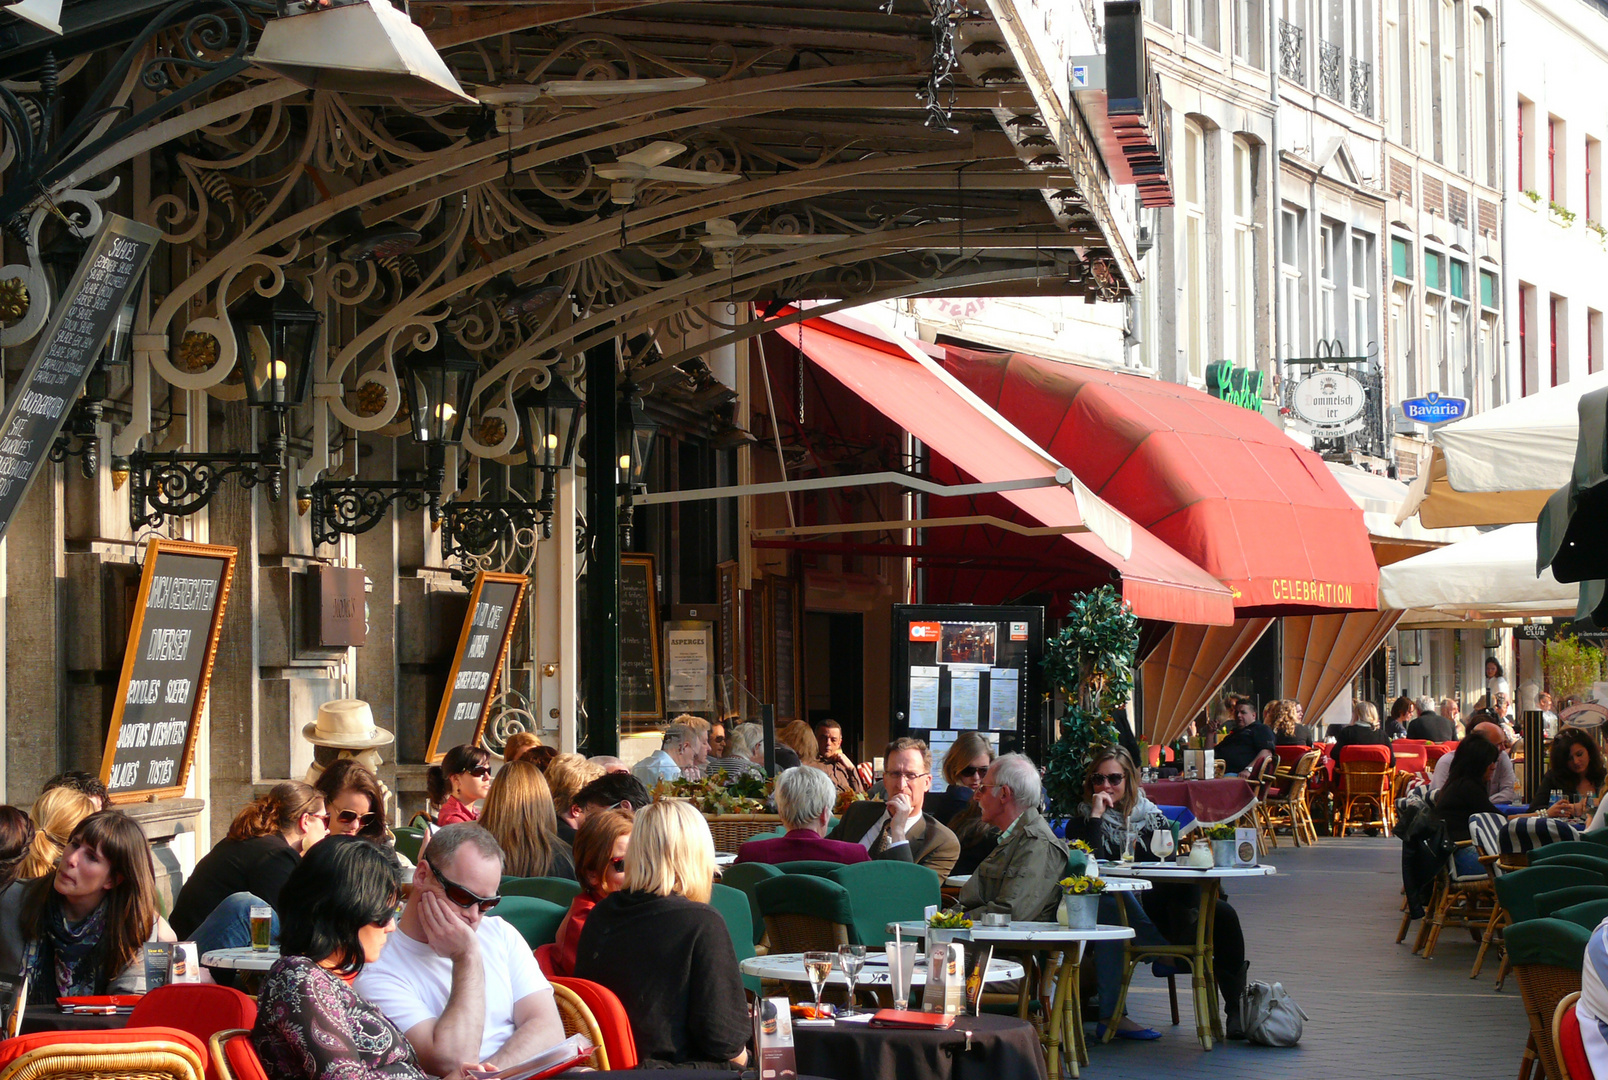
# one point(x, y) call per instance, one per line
point(461, 984)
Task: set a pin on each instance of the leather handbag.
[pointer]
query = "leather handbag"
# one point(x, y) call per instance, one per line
point(1271, 1016)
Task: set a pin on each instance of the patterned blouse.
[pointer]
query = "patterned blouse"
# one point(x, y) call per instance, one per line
point(312, 1026)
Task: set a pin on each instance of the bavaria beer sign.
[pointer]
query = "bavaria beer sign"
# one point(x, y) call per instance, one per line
point(1434, 409)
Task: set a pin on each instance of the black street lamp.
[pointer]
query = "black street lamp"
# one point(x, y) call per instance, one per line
point(552, 431)
point(634, 440)
point(276, 339)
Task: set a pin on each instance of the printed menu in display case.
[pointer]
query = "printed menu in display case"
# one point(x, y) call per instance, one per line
point(641, 684)
point(957, 667)
point(495, 601)
point(167, 669)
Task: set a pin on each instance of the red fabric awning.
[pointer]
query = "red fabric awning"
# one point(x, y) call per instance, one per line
point(1216, 482)
point(1158, 581)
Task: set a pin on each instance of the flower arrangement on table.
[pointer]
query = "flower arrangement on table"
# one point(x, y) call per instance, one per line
point(1083, 846)
point(950, 920)
point(1082, 885)
point(1219, 832)
point(746, 795)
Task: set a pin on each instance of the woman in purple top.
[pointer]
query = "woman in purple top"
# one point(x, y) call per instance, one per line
point(311, 1024)
point(804, 799)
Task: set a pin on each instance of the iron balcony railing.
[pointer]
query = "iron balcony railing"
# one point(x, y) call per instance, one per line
point(1292, 53)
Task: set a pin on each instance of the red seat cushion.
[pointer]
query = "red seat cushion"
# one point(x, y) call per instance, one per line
point(544, 957)
point(1570, 1047)
point(1365, 752)
point(611, 1018)
point(12, 1049)
point(202, 1009)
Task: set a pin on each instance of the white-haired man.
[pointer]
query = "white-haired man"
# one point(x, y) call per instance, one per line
point(679, 751)
point(1022, 875)
point(1430, 725)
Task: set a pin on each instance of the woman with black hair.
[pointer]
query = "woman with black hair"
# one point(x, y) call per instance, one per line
point(1465, 794)
point(1402, 711)
point(1575, 768)
point(462, 779)
point(311, 1024)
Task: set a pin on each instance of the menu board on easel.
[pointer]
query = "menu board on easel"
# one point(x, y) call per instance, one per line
point(167, 669)
point(784, 663)
point(488, 626)
point(730, 637)
point(641, 689)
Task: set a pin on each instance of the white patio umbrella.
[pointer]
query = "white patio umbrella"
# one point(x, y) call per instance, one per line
point(1491, 576)
point(1501, 465)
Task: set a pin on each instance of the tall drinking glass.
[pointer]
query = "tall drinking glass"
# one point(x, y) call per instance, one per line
point(901, 968)
point(818, 966)
point(262, 921)
point(851, 958)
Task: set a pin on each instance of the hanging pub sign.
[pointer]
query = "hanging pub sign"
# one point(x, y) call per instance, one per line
point(1235, 385)
point(1434, 409)
point(1330, 403)
point(167, 668)
point(66, 353)
point(494, 605)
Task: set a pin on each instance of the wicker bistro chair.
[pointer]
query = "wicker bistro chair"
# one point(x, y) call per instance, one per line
point(610, 1018)
point(1364, 780)
point(1567, 1045)
point(804, 912)
point(577, 1017)
point(1460, 900)
point(234, 1057)
point(731, 831)
point(151, 1053)
point(1263, 767)
point(1286, 805)
point(1485, 830)
point(1547, 957)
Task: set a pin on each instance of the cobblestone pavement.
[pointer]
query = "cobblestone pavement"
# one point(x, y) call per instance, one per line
point(1325, 926)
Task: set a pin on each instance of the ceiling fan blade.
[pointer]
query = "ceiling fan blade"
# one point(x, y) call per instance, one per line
point(603, 87)
point(692, 176)
point(630, 172)
point(655, 153)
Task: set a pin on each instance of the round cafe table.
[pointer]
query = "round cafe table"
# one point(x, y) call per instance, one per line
point(1064, 1021)
point(244, 959)
point(1198, 954)
point(975, 1048)
point(1213, 802)
point(789, 967)
point(47, 1016)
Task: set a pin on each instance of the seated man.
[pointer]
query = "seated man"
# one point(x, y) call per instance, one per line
point(677, 753)
point(611, 791)
point(845, 774)
point(1022, 875)
point(804, 799)
point(1501, 786)
point(1238, 749)
point(461, 984)
point(567, 774)
point(898, 829)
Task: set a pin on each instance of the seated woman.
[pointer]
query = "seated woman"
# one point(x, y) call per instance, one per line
point(311, 1024)
point(795, 744)
point(16, 842)
point(600, 847)
point(249, 867)
point(664, 951)
point(964, 767)
point(357, 806)
point(1402, 712)
point(462, 779)
point(1575, 768)
point(743, 751)
point(1279, 714)
point(1466, 793)
point(82, 929)
point(55, 815)
point(519, 813)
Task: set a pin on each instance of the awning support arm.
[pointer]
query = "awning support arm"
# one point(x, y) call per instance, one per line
point(1062, 478)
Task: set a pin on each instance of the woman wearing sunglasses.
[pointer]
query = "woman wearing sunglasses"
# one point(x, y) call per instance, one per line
point(964, 767)
point(600, 847)
point(462, 779)
point(311, 1024)
point(249, 867)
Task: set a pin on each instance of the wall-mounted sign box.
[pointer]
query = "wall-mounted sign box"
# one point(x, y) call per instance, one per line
point(167, 669)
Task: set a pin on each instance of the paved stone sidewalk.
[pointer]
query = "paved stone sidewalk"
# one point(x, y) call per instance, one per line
point(1325, 927)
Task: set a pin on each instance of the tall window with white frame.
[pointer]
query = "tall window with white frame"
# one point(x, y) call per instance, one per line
point(1524, 152)
point(1292, 260)
point(1424, 78)
point(1479, 87)
point(1329, 297)
point(1242, 278)
point(1192, 315)
point(1434, 365)
point(1593, 191)
point(1459, 358)
point(1403, 353)
point(1454, 81)
point(1359, 327)
point(1490, 371)
point(1248, 46)
point(1593, 341)
point(1394, 105)
point(1200, 21)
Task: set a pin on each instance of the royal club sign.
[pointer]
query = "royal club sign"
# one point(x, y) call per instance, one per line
point(1434, 409)
point(1330, 403)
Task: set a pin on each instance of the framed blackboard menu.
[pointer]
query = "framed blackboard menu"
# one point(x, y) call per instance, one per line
point(167, 667)
point(641, 691)
point(783, 627)
point(728, 623)
point(494, 605)
point(66, 352)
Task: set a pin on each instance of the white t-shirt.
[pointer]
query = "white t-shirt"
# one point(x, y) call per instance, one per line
point(410, 983)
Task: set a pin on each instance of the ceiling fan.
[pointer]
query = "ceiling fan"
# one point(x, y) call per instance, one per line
point(723, 240)
point(504, 94)
point(648, 163)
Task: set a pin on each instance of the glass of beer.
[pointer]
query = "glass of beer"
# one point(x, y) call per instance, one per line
point(262, 925)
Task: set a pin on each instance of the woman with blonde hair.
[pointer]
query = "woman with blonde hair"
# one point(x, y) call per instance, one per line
point(664, 951)
point(519, 813)
point(1279, 714)
point(799, 738)
point(55, 815)
point(1362, 731)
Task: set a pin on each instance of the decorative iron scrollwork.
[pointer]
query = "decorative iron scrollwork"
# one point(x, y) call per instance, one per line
point(352, 507)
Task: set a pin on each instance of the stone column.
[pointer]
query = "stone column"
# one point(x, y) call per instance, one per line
point(35, 626)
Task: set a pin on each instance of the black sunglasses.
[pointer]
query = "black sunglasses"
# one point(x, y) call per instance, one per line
point(1108, 779)
point(618, 865)
point(460, 895)
point(346, 817)
point(973, 770)
point(481, 771)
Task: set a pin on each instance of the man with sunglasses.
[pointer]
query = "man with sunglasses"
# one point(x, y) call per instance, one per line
point(1022, 875)
point(898, 829)
point(460, 983)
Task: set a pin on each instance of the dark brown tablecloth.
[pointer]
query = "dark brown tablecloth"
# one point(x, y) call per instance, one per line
point(1213, 802)
point(51, 1018)
point(1002, 1048)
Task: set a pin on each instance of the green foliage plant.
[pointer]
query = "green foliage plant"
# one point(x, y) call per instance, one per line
point(1571, 666)
point(1090, 664)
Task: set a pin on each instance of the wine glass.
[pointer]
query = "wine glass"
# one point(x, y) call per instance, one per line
point(1161, 843)
point(851, 958)
point(818, 966)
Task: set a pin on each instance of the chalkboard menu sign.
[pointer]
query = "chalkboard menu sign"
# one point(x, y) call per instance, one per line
point(66, 353)
point(167, 667)
point(782, 626)
point(729, 634)
point(494, 606)
point(641, 691)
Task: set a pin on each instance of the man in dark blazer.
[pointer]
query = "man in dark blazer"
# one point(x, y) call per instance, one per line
point(898, 829)
point(1430, 725)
